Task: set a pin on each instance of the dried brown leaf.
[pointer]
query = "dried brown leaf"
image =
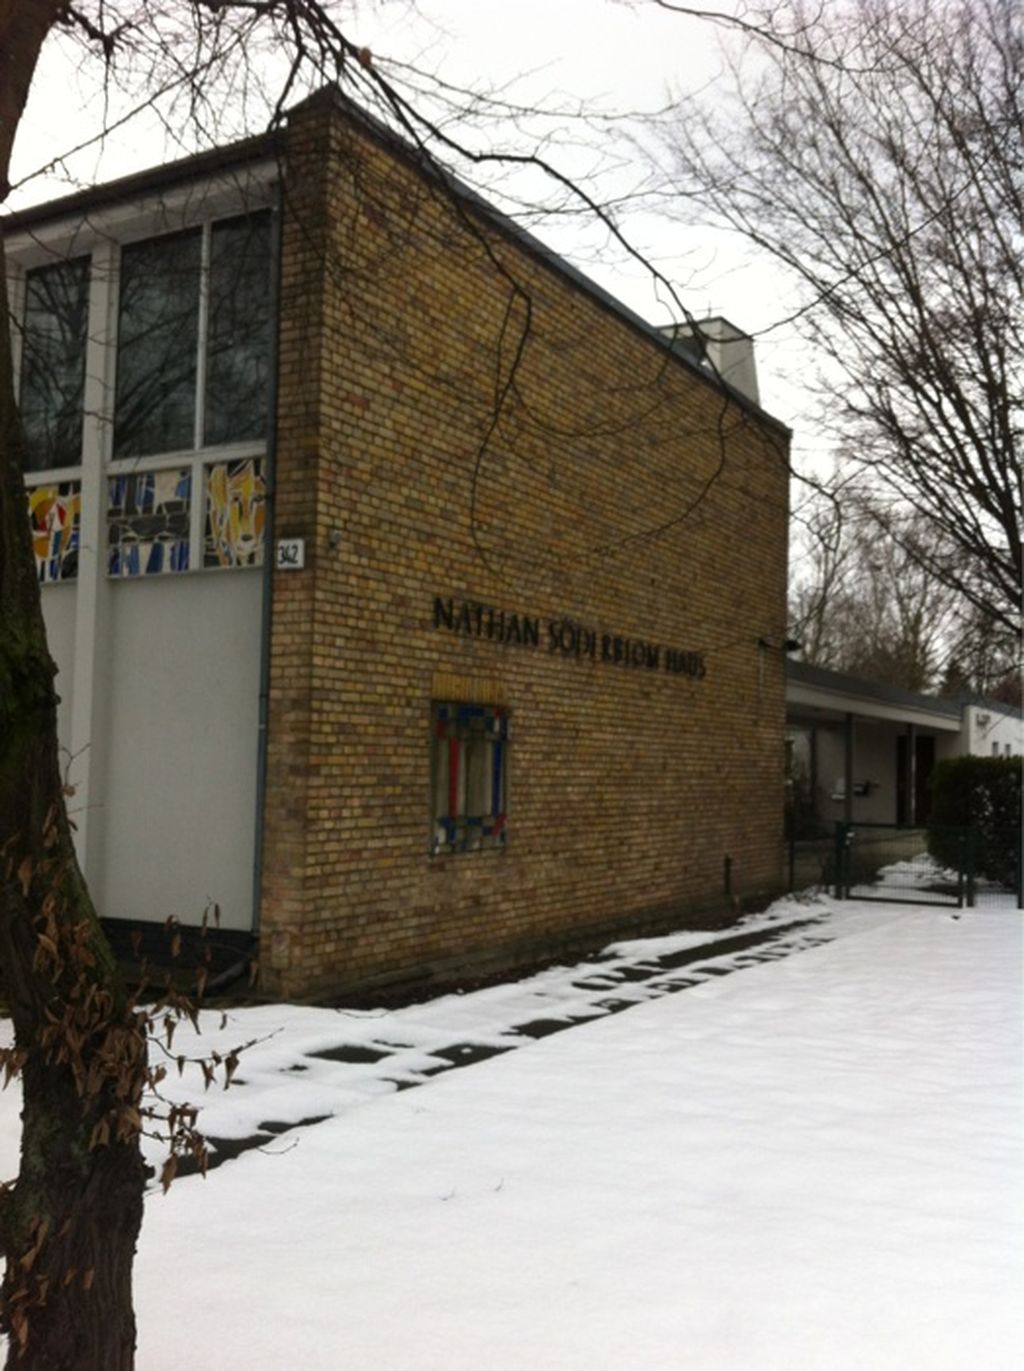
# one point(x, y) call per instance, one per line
point(169, 1171)
point(25, 871)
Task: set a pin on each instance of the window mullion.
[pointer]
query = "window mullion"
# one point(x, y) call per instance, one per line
point(197, 526)
point(16, 308)
point(204, 317)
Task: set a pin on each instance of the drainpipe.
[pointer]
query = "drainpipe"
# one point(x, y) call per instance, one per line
point(911, 775)
point(270, 478)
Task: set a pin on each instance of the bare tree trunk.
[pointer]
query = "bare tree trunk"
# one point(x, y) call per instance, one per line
point(69, 1224)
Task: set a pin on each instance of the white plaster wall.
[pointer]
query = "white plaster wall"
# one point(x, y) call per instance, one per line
point(1002, 729)
point(59, 616)
point(874, 760)
point(176, 797)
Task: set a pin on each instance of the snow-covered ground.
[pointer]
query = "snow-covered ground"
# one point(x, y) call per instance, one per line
point(815, 1163)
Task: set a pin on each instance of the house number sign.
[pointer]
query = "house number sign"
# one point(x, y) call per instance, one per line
point(290, 554)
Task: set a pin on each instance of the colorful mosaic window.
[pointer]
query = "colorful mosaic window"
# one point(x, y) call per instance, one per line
point(148, 522)
point(469, 746)
point(235, 512)
point(55, 514)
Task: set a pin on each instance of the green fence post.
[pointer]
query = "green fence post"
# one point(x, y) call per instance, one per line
point(970, 867)
point(840, 859)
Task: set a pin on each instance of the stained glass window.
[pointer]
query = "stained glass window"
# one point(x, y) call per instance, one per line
point(235, 510)
point(469, 745)
point(148, 522)
point(53, 364)
point(55, 514)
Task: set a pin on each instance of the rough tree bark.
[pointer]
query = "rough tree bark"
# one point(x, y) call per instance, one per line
point(69, 1224)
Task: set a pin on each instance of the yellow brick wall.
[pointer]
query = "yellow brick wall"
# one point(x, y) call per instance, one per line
point(457, 419)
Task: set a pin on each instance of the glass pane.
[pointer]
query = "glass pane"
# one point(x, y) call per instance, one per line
point(156, 346)
point(148, 519)
point(53, 364)
point(238, 334)
point(235, 508)
point(478, 775)
point(55, 513)
point(441, 753)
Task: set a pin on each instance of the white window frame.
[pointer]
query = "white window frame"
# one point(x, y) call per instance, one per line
point(102, 235)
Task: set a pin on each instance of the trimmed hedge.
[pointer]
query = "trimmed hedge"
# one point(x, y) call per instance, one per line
point(982, 793)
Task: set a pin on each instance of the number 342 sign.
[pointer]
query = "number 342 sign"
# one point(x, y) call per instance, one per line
point(291, 554)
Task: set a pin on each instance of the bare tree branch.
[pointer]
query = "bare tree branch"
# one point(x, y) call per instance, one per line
point(890, 188)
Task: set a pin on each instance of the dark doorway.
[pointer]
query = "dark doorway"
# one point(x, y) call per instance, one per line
point(924, 761)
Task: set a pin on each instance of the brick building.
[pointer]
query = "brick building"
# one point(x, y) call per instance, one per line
point(412, 600)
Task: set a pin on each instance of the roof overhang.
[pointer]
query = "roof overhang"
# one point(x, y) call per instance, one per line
point(817, 704)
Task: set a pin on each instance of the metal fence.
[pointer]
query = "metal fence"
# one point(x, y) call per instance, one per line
point(810, 861)
point(948, 866)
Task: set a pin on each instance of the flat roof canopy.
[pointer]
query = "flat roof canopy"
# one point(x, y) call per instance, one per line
point(817, 695)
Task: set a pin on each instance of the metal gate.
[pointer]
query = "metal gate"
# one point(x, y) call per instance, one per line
point(891, 863)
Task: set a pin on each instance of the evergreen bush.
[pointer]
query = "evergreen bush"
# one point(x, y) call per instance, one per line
point(984, 794)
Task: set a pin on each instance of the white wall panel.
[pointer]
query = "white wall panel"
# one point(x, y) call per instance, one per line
point(59, 617)
point(177, 792)
point(874, 761)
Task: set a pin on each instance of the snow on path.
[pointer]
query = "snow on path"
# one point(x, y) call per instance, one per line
point(812, 1164)
point(302, 1062)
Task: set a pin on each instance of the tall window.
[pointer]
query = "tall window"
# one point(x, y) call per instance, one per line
point(193, 357)
point(469, 746)
point(157, 345)
point(193, 339)
point(186, 484)
point(53, 364)
point(238, 332)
